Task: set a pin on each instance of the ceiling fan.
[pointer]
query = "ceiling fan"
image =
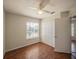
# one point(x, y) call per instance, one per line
point(41, 5)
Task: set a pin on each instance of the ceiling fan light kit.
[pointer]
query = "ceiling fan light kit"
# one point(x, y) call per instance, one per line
point(41, 7)
point(40, 12)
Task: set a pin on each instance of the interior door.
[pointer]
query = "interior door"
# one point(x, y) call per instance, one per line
point(62, 35)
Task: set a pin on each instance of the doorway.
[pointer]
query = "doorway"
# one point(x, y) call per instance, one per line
point(73, 37)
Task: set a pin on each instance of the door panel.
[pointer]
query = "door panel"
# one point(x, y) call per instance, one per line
point(62, 35)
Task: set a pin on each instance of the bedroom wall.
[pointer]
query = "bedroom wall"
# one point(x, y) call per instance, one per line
point(48, 31)
point(16, 31)
point(4, 41)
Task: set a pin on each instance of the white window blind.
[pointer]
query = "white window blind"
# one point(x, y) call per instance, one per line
point(32, 30)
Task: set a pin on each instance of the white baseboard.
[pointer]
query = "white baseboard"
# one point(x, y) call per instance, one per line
point(21, 46)
point(62, 51)
point(48, 44)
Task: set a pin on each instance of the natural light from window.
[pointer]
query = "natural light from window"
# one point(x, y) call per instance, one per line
point(72, 29)
point(32, 30)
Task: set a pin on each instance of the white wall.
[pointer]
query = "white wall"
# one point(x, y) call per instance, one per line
point(4, 41)
point(48, 31)
point(63, 43)
point(16, 31)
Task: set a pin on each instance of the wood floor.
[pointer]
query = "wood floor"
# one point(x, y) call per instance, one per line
point(36, 51)
point(73, 49)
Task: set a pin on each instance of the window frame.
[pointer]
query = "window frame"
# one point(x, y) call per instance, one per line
point(38, 30)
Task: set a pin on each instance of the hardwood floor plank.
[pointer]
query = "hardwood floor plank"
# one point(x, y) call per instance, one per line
point(36, 51)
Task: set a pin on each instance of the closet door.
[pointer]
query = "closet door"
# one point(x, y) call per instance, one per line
point(62, 35)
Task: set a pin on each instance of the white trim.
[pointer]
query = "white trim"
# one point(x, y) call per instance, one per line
point(21, 46)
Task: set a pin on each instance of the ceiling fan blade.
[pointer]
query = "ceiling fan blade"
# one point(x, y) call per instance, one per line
point(49, 12)
point(33, 8)
point(43, 3)
point(52, 12)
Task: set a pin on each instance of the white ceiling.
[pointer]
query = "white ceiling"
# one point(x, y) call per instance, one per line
point(22, 7)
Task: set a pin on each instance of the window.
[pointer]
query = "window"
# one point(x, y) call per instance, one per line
point(72, 29)
point(32, 30)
